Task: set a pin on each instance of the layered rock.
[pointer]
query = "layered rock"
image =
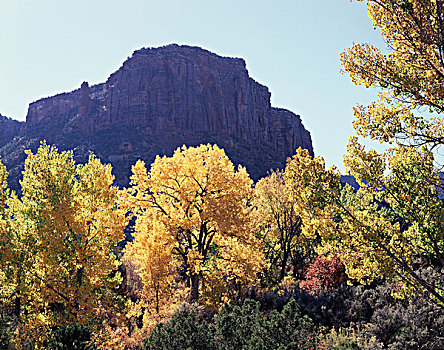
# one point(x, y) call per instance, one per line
point(162, 98)
point(9, 128)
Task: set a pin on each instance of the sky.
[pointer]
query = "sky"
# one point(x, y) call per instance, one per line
point(291, 46)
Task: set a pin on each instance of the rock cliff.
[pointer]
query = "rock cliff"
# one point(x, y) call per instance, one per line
point(9, 128)
point(161, 98)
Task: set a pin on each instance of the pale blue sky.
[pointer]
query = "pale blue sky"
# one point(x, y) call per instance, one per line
point(291, 46)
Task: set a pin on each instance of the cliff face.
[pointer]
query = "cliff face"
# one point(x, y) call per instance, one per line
point(164, 97)
point(9, 128)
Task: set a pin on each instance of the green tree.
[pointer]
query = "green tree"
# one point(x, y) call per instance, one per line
point(411, 77)
point(372, 242)
point(184, 331)
point(71, 337)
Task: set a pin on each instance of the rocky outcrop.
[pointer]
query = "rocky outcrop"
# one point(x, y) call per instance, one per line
point(9, 128)
point(161, 98)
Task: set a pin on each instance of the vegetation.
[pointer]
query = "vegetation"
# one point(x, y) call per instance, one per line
point(405, 176)
point(238, 327)
point(280, 228)
point(217, 262)
point(194, 205)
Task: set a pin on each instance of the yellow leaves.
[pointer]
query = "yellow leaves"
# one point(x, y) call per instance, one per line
point(358, 59)
point(3, 186)
point(413, 70)
point(64, 230)
point(311, 185)
point(369, 238)
point(151, 252)
point(348, 223)
point(367, 166)
point(411, 75)
point(279, 224)
point(384, 120)
point(197, 204)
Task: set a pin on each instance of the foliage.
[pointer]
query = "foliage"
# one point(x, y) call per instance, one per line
point(7, 326)
point(62, 235)
point(193, 216)
point(345, 339)
point(280, 227)
point(5, 286)
point(71, 337)
point(411, 73)
point(367, 315)
point(412, 323)
point(237, 327)
point(367, 238)
point(411, 76)
point(246, 327)
point(324, 274)
point(183, 331)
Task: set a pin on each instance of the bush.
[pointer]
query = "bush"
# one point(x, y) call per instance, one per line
point(7, 326)
point(324, 275)
point(370, 312)
point(183, 332)
point(236, 327)
point(71, 337)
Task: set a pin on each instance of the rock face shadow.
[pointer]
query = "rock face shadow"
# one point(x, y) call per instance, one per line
point(158, 100)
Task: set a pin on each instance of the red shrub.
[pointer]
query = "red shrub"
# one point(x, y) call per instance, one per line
point(324, 274)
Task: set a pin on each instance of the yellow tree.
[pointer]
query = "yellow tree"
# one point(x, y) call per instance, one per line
point(155, 264)
point(408, 116)
point(3, 220)
point(67, 226)
point(280, 226)
point(367, 238)
point(198, 205)
point(411, 74)
point(16, 255)
point(3, 190)
point(152, 255)
point(6, 287)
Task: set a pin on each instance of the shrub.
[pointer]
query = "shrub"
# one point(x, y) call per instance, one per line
point(324, 275)
point(183, 332)
point(71, 337)
point(236, 327)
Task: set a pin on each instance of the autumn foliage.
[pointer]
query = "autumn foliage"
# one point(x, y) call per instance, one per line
point(193, 238)
point(323, 275)
point(197, 206)
point(279, 226)
point(407, 117)
point(57, 254)
point(205, 235)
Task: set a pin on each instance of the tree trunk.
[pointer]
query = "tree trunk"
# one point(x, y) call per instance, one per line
point(17, 301)
point(17, 307)
point(194, 288)
point(283, 265)
point(157, 299)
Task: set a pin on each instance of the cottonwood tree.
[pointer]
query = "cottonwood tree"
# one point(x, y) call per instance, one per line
point(66, 228)
point(408, 117)
point(280, 227)
point(369, 240)
point(196, 205)
point(7, 269)
point(4, 194)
